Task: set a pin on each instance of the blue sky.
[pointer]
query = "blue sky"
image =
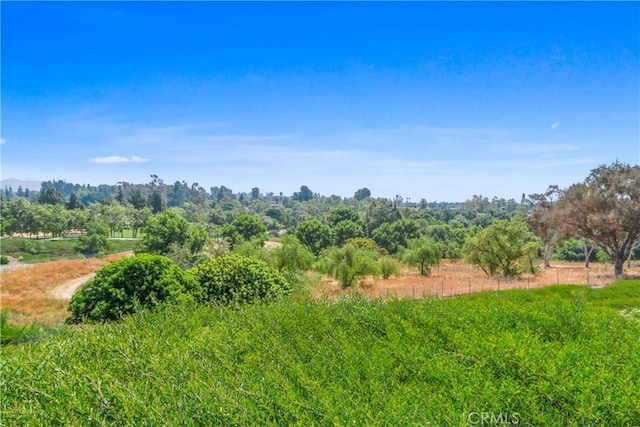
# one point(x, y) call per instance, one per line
point(422, 99)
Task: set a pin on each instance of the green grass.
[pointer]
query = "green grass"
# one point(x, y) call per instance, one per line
point(42, 250)
point(554, 356)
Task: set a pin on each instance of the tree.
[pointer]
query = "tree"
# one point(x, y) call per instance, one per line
point(349, 263)
point(605, 209)
point(362, 194)
point(129, 284)
point(392, 236)
point(423, 253)
point(163, 230)
point(138, 218)
point(115, 216)
point(51, 196)
point(343, 213)
point(292, 256)
point(314, 235)
point(235, 279)
point(304, 195)
point(380, 212)
point(96, 239)
point(136, 199)
point(250, 227)
point(347, 229)
point(156, 201)
point(255, 193)
point(506, 248)
point(544, 223)
point(74, 202)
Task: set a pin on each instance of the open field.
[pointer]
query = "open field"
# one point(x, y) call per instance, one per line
point(458, 278)
point(43, 250)
point(559, 355)
point(28, 292)
point(42, 291)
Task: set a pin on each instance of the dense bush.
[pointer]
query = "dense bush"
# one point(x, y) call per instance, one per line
point(4, 260)
point(236, 279)
point(126, 285)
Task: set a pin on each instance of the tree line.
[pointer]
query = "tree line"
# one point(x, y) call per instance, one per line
point(500, 236)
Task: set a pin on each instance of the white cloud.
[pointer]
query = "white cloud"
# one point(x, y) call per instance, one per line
point(118, 159)
point(554, 126)
point(2, 141)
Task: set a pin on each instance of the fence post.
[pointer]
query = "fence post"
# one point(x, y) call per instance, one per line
point(469, 286)
point(587, 277)
point(442, 290)
point(557, 277)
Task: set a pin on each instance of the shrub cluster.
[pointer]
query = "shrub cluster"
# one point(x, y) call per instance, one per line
point(146, 280)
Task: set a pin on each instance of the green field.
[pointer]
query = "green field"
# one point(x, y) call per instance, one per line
point(562, 355)
point(42, 250)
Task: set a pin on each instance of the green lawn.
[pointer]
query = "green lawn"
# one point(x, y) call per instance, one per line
point(556, 356)
point(41, 250)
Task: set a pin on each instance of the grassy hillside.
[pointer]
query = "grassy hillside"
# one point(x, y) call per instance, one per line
point(34, 250)
point(554, 356)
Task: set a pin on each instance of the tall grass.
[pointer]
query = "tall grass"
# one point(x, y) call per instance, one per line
point(554, 356)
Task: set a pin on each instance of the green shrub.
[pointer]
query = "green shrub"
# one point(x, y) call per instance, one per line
point(389, 267)
point(236, 279)
point(124, 286)
point(4, 260)
point(32, 247)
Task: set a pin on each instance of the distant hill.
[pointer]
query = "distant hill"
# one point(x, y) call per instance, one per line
point(15, 183)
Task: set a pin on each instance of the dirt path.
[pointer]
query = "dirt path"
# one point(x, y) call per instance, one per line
point(66, 290)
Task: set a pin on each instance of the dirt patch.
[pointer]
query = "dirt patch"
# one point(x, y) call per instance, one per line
point(31, 293)
point(458, 278)
point(66, 290)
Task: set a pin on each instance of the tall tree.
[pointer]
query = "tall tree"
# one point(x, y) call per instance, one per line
point(605, 209)
point(544, 223)
point(362, 193)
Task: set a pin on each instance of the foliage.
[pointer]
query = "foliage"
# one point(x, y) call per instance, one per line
point(165, 231)
point(559, 355)
point(392, 236)
point(292, 256)
point(14, 334)
point(347, 229)
point(304, 195)
point(52, 250)
point(129, 284)
point(235, 279)
point(343, 213)
point(506, 248)
point(314, 235)
point(423, 253)
point(379, 212)
point(349, 264)
point(388, 267)
point(96, 240)
point(605, 209)
point(4, 260)
point(362, 194)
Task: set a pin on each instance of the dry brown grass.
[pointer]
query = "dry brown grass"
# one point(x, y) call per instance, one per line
point(27, 293)
point(458, 278)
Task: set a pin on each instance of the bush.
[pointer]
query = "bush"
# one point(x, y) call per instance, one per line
point(389, 267)
point(4, 260)
point(236, 279)
point(124, 286)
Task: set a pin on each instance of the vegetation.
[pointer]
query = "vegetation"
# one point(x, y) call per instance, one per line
point(38, 250)
point(605, 209)
point(130, 284)
point(423, 253)
point(554, 356)
point(504, 248)
point(234, 279)
point(349, 264)
point(96, 240)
